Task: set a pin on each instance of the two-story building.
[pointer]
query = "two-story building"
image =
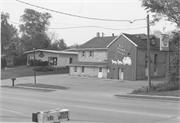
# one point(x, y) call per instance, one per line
point(119, 57)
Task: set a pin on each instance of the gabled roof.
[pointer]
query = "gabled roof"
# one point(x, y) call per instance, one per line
point(98, 43)
point(52, 51)
point(141, 40)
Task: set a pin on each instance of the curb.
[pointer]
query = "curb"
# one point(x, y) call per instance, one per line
point(148, 97)
point(31, 88)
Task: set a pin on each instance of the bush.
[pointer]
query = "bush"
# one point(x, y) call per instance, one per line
point(38, 62)
point(168, 87)
point(158, 88)
point(141, 90)
point(43, 69)
point(20, 60)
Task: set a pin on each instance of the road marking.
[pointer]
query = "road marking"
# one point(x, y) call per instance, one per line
point(12, 111)
point(96, 108)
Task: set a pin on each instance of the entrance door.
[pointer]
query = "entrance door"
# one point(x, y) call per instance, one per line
point(121, 74)
point(70, 60)
point(100, 72)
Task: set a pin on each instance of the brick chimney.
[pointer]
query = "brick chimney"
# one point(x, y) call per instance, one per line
point(102, 34)
point(98, 34)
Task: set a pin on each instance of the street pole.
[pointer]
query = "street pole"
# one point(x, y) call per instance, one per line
point(34, 66)
point(148, 53)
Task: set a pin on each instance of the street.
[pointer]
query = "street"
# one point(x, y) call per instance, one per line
point(85, 106)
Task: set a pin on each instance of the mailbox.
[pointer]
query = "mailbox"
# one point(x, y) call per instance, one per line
point(52, 116)
point(13, 79)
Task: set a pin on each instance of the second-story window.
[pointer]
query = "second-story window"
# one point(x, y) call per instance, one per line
point(83, 53)
point(90, 53)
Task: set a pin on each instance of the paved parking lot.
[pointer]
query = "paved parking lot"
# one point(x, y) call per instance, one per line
point(77, 83)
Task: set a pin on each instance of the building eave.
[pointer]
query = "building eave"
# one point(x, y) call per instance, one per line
point(52, 51)
point(92, 49)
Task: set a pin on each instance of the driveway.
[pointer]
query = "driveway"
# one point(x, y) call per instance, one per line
point(85, 84)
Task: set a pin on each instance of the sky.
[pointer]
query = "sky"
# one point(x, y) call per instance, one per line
point(62, 25)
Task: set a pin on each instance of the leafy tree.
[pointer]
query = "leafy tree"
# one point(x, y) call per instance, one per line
point(174, 72)
point(168, 9)
point(9, 34)
point(59, 45)
point(34, 26)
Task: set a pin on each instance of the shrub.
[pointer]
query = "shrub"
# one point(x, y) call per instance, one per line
point(143, 89)
point(158, 88)
point(38, 62)
point(20, 60)
point(43, 69)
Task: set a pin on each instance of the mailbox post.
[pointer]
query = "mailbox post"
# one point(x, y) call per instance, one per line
point(13, 79)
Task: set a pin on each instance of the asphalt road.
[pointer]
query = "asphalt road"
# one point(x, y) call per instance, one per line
point(85, 106)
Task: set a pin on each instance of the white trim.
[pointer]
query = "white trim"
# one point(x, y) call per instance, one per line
point(130, 40)
point(51, 51)
point(92, 49)
point(120, 36)
point(113, 41)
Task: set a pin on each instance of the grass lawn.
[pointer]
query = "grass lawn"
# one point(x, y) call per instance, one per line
point(166, 93)
point(23, 71)
point(43, 86)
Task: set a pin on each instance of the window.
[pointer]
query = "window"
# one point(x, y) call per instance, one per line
point(82, 69)
point(83, 53)
point(155, 59)
point(53, 61)
point(100, 69)
point(90, 53)
point(70, 60)
point(75, 69)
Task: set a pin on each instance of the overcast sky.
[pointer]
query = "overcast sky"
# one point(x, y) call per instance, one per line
point(106, 9)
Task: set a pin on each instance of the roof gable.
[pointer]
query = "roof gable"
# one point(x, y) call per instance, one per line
point(141, 40)
point(98, 42)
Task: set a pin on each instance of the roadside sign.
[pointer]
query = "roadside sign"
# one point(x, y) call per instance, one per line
point(164, 42)
point(52, 116)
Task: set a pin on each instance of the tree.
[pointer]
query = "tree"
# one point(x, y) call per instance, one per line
point(174, 72)
point(9, 34)
point(34, 26)
point(168, 9)
point(59, 45)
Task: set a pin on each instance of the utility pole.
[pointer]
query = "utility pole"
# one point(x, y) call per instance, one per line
point(34, 57)
point(34, 64)
point(148, 53)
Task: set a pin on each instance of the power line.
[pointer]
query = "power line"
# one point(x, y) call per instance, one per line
point(84, 17)
point(99, 27)
point(76, 27)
